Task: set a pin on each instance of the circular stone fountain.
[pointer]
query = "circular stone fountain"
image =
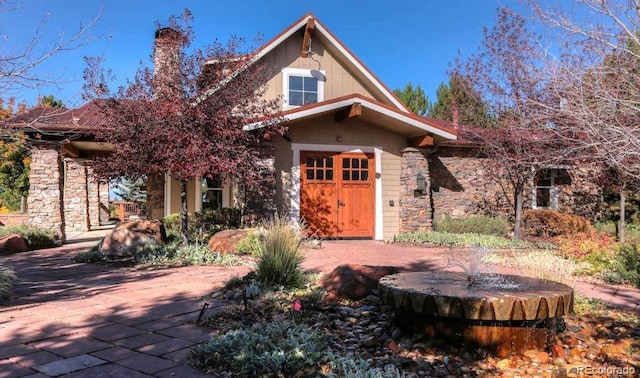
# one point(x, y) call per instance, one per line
point(499, 313)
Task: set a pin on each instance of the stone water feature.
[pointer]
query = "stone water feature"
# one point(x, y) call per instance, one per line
point(500, 313)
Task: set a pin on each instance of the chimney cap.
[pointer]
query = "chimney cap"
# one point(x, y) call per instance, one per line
point(167, 32)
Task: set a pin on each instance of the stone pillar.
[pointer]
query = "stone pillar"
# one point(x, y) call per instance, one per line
point(93, 198)
point(415, 208)
point(45, 190)
point(155, 197)
point(76, 201)
point(103, 197)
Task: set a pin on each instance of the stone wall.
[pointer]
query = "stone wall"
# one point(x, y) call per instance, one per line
point(415, 207)
point(93, 198)
point(103, 196)
point(461, 187)
point(45, 195)
point(155, 197)
point(76, 202)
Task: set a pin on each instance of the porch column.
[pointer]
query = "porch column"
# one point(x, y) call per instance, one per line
point(415, 208)
point(44, 202)
point(93, 198)
point(155, 197)
point(76, 196)
point(103, 198)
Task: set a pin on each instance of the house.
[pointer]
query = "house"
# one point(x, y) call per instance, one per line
point(354, 163)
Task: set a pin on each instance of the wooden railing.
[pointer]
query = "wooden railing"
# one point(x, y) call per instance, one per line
point(127, 210)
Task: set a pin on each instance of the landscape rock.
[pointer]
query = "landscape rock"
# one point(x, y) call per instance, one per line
point(12, 243)
point(226, 241)
point(354, 281)
point(126, 237)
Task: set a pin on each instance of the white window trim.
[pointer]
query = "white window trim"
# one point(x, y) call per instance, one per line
point(295, 178)
point(287, 71)
point(226, 190)
point(553, 191)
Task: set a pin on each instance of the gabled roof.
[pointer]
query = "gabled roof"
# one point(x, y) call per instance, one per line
point(409, 124)
point(340, 48)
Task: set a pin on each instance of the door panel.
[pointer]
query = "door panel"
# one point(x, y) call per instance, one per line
point(337, 193)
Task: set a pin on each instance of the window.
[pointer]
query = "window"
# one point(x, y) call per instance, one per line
point(211, 193)
point(546, 187)
point(320, 168)
point(302, 87)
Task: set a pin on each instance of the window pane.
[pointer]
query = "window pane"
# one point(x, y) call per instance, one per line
point(309, 174)
point(295, 83)
point(329, 174)
point(543, 177)
point(364, 175)
point(320, 174)
point(212, 199)
point(310, 84)
point(330, 162)
point(320, 162)
point(345, 176)
point(355, 163)
point(310, 98)
point(345, 163)
point(543, 197)
point(295, 98)
point(310, 162)
point(364, 163)
point(355, 175)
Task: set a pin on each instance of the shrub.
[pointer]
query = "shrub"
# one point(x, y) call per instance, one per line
point(7, 276)
point(475, 225)
point(588, 306)
point(627, 264)
point(202, 225)
point(278, 348)
point(582, 244)
point(199, 254)
point(461, 240)
point(549, 223)
point(37, 238)
point(91, 256)
point(350, 367)
point(279, 263)
point(250, 246)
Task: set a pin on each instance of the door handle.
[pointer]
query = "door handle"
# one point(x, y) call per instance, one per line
point(340, 203)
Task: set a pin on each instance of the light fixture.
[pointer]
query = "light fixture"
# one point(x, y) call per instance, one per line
point(421, 185)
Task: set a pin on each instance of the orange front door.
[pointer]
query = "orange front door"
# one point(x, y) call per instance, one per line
point(337, 193)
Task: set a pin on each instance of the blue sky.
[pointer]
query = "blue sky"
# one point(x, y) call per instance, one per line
point(400, 41)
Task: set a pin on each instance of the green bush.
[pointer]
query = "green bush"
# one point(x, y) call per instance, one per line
point(280, 261)
point(627, 264)
point(278, 348)
point(202, 225)
point(479, 224)
point(7, 276)
point(350, 367)
point(461, 240)
point(250, 246)
point(37, 238)
point(91, 256)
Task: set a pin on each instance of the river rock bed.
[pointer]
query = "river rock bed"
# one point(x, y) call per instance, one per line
point(586, 345)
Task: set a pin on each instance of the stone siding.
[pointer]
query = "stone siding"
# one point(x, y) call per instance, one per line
point(45, 194)
point(13, 219)
point(415, 207)
point(155, 197)
point(103, 196)
point(461, 187)
point(76, 203)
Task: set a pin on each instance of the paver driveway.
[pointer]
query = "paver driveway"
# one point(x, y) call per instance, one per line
point(87, 320)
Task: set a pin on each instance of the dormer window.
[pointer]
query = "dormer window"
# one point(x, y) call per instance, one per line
point(302, 87)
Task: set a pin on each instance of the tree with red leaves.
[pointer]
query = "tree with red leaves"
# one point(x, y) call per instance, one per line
point(508, 73)
point(188, 116)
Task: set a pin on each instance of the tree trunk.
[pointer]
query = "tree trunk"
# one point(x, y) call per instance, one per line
point(184, 224)
point(23, 204)
point(621, 224)
point(518, 221)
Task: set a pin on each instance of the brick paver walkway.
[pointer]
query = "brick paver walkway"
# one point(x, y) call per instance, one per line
point(84, 320)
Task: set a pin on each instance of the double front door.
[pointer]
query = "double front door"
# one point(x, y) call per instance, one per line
point(337, 193)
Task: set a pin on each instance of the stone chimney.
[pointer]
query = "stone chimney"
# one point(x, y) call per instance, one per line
point(455, 117)
point(166, 59)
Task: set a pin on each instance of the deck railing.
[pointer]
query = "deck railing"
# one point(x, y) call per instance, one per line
point(127, 210)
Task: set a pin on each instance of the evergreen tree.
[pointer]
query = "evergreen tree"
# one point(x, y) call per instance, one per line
point(414, 98)
point(472, 109)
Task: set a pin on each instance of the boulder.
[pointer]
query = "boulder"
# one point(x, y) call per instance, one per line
point(13, 243)
point(354, 281)
point(226, 241)
point(126, 237)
